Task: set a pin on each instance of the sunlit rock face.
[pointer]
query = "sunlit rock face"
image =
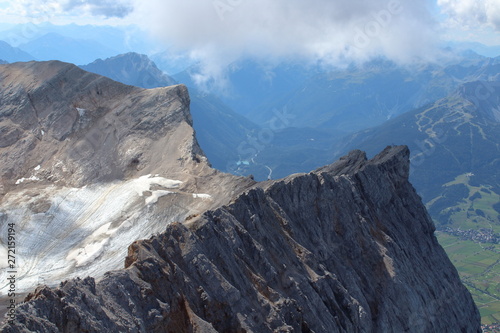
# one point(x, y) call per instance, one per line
point(90, 165)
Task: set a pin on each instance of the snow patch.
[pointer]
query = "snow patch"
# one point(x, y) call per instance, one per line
point(92, 247)
point(144, 184)
point(86, 230)
point(202, 196)
point(155, 196)
point(37, 168)
point(22, 180)
point(81, 112)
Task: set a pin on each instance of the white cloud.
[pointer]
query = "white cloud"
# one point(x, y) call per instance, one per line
point(218, 32)
point(333, 31)
point(472, 13)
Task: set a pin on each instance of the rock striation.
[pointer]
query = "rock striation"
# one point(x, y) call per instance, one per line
point(346, 248)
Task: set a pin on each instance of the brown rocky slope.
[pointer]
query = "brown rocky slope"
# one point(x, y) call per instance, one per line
point(89, 165)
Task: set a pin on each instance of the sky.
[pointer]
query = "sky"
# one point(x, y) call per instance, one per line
point(219, 32)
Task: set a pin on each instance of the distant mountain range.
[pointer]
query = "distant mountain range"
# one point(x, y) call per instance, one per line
point(343, 100)
point(53, 46)
point(121, 39)
point(9, 53)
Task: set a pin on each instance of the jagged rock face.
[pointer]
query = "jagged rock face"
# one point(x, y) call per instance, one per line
point(90, 165)
point(83, 128)
point(347, 248)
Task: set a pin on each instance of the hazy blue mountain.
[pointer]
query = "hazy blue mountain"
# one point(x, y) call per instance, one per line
point(482, 49)
point(252, 87)
point(53, 46)
point(132, 69)
point(455, 144)
point(360, 97)
point(122, 39)
point(343, 100)
point(13, 54)
point(219, 130)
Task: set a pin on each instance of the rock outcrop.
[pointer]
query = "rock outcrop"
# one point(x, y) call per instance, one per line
point(346, 248)
point(83, 128)
point(89, 165)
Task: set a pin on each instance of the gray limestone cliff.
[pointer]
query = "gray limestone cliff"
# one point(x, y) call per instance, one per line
point(84, 128)
point(346, 248)
point(89, 165)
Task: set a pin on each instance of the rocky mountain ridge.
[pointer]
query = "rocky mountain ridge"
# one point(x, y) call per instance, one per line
point(52, 111)
point(89, 165)
point(346, 248)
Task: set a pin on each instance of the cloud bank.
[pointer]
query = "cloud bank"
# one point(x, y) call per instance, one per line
point(472, 13)
point(329, 31)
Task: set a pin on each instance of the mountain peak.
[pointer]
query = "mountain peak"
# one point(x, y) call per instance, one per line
point(131, 68)
point(99, 129)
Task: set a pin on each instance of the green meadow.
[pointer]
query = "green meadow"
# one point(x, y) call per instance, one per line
point(479, 269)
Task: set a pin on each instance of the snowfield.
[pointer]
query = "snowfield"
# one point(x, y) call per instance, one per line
point(86, 231)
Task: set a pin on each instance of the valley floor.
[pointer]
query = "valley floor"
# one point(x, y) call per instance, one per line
point(479, 267)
